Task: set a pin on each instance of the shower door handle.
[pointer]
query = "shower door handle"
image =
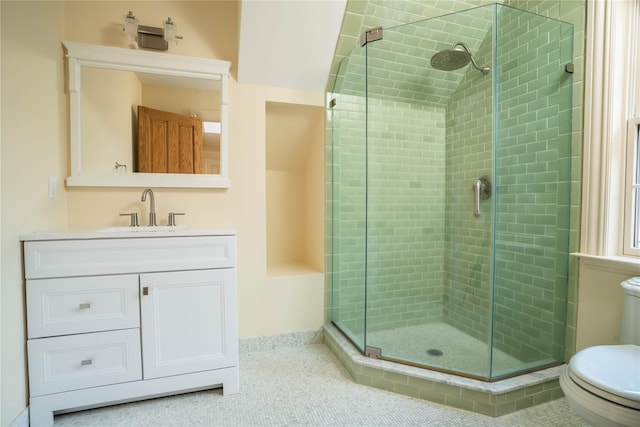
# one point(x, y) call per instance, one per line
point(477, 184)
point(481, 191)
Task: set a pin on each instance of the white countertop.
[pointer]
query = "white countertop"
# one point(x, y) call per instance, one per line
point(126, 233)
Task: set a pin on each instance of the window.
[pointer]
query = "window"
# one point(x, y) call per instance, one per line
point(610, 225)
point(632, 200)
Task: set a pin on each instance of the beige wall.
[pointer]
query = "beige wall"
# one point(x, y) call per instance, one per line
point(600, 300)
point(209, 28)
point(108, 101)
point(35, 146)
point(295, 188)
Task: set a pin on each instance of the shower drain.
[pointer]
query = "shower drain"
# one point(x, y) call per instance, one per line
point(434, 352)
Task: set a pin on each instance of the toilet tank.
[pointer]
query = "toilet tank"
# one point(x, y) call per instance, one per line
point(630, 333)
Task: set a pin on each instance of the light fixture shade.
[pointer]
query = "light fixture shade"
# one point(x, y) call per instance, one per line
point(130, 27)
point(169, 28)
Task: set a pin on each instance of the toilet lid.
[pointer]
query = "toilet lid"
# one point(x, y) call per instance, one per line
point(612, 368)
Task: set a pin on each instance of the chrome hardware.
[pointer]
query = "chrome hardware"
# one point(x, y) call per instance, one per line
point(145, 290)
point(86, 362)
point(481, 191)
point(134, 218)
point(84, 306)
point(152, 208)
point(172, 218)
point(476, 192)
point(373, 352)
point(372, 35)
point(151, 38)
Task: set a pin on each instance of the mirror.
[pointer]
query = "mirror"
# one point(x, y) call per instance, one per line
point(123, 101)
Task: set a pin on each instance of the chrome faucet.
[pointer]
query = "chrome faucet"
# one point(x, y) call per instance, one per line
point(152, 211)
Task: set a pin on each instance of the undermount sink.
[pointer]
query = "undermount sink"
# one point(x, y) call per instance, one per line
point(140, 229)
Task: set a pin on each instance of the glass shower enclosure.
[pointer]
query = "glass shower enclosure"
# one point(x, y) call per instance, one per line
point(449, 195)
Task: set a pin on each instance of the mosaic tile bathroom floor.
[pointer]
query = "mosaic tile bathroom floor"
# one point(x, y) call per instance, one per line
point(459, 351)
point(305, 386)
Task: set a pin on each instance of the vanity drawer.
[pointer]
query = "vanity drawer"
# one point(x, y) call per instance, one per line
point(82, 361)
point(65, 258)
point(82, 304)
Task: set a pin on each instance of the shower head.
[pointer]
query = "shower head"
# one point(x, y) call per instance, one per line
point(457, 57)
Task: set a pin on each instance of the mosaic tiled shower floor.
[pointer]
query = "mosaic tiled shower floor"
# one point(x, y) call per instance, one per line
point(422, 344)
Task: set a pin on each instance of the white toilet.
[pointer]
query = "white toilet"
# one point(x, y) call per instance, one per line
point(602, 383)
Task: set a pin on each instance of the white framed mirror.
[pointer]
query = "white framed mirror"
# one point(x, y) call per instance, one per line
point(146, 119)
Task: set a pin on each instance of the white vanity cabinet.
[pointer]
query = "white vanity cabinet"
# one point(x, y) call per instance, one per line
point(183, 322)
point(111, 320)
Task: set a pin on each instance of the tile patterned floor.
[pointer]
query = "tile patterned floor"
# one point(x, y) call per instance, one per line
point(459, 351)
point(305, 386)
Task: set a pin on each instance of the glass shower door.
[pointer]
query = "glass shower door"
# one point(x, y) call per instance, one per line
point(533, 175)
point(348, 207)
point(450, 193)
point(430, 137)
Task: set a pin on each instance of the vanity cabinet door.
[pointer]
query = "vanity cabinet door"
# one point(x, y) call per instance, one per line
point(188, 321)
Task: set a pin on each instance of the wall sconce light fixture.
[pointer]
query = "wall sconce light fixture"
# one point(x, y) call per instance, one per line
point(150, 37)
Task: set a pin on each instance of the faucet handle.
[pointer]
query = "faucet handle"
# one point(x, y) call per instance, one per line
point(134, 218)
point(172, 217)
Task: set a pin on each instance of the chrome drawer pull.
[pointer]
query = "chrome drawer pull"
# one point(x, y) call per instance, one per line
point(84, 306)
point(86, 362)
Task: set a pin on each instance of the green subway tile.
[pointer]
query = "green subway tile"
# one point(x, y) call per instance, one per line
point(543, 397)
point(485, 409)
point(524, 403)
point(476, 396)
point(447, 389)
point(534, 389)
point(551, 385)
point(557, 393)
point(458, 402)
point(505, 408)
point(510, 397)
point(433, 395)
point(383, 384)
point(407, 390)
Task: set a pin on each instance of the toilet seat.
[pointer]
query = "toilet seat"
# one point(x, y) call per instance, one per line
point(609, 371)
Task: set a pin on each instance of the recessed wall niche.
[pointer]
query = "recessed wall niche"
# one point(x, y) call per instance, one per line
point(295, 188)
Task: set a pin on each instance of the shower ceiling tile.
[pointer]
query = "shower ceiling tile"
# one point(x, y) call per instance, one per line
point(399, 65)
point(351, 24)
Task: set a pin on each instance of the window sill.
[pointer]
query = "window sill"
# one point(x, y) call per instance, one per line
point(615, 263)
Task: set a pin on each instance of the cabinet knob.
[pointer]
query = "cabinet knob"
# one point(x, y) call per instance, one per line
point(85, 306)
point(145, 291)
point(86, 362)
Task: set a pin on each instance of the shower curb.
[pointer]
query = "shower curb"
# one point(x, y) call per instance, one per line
point(487, 398)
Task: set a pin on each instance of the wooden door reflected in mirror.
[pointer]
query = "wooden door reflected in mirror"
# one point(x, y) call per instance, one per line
point(169, 142)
